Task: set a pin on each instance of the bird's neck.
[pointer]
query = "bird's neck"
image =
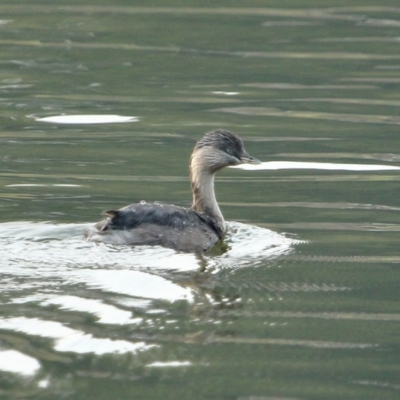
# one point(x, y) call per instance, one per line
point(204, 200)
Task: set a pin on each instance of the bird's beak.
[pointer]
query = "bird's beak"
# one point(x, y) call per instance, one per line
point(246, 158)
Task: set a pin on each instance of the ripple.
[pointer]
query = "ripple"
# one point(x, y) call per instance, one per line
point(290, 342)
point(318, 315)
point(105, 313)
point(340, 117)
point(298, 86)
point(328, 55)
point(42, 255)
point(393, 386)
point(349, 259)
point(68, 339)
point(378, 80)
point(372, 102)
point(250, 245)
point(50, 265)
point(310, 204)
point(339, 226)
point(358, 39)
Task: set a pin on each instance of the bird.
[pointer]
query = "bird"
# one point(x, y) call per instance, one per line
point(196, 229)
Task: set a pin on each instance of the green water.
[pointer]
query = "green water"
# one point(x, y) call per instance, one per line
point(305, 305)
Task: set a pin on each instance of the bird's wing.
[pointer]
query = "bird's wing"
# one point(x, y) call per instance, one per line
point(134, 215)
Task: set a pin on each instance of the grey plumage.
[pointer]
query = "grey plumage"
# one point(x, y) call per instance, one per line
point(196, 229)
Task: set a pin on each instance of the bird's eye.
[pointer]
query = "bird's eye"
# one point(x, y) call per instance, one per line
point(229, 151)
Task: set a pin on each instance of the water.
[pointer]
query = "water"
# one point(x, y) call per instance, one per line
point(101, 105)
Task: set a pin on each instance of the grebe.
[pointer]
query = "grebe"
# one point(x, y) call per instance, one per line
point(196, 229)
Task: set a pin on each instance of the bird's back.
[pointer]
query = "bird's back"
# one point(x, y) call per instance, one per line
point(157, 224)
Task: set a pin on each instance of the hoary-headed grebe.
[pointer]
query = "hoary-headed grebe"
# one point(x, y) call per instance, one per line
point(194, 229)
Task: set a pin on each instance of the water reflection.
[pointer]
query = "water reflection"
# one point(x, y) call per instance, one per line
point(104, 313)
point(70, 340)
point(17, 362)
point(114, 285)
point(87, 119)
point(276, 165)
point(170, 364)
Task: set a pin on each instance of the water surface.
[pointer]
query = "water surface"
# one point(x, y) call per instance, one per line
point(101, 105)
